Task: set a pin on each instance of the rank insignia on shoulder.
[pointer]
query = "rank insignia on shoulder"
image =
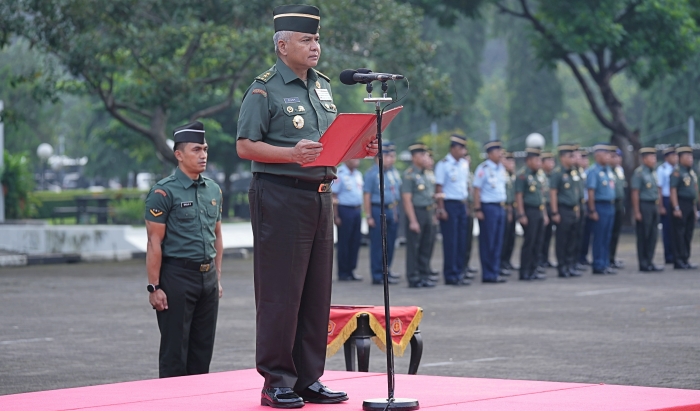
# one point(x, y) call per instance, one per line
point(260, 91)
point(186, 204)
point(161, 192)
point(155, 212)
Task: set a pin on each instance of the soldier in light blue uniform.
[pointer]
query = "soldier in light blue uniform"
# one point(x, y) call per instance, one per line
point(600, 183)
point(392, 193)
point(663, 180)
point(347, 202)
point(489, 206)
point(451, 175)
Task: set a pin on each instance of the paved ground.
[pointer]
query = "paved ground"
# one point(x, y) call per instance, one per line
point(84, 324)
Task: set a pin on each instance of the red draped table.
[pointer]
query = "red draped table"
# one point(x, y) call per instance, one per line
point(354, 326)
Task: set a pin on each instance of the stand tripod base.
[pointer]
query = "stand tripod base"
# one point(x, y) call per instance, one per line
point(398, 404)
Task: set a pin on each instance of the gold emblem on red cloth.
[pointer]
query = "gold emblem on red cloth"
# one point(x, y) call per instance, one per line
point(331, 327)
point(396, 326)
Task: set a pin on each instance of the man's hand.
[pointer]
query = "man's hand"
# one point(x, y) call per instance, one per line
point(480, 215)
point(221, 290)
point(441, 214)
point(523, 220)
point(593, 216)
point(372, 147)
point(678, 213)
point(638, 216)
point(337, 221)
point(414, 226)
point(158, 300)
point(556, 219)
point(306, 151)
point(370, 222)
point(662, 210)
point(546, 219)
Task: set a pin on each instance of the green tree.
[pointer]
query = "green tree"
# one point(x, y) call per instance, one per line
point(17, 183)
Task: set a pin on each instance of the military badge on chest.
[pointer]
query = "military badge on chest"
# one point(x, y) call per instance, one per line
point(298, 122)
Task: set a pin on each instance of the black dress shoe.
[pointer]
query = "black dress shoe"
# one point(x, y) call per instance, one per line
point(541, 270)
point(434, 277)
point(394, 275)
point(504, 272)
point(617, 264)
point(461, 281)
point(422, 284)
point(547, 264)
point(318, 393)
point(538, 277)
point(599, 272)
point(574, 273)
point(280, 398)
point(651, 268)
point(564, 274)
point(610, 271)
point(507, 265)
point(472, 270)
point(353, 277)
point(392, 280)
point(691, 266)
point(497, 280)
point(584, 262)
point(468, 275)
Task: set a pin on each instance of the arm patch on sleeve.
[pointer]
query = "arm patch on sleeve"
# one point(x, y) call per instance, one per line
point(161, 192)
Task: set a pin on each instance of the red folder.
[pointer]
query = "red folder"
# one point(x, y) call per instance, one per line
point(348, 136)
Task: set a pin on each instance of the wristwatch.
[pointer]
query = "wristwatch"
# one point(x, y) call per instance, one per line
point(152, 288)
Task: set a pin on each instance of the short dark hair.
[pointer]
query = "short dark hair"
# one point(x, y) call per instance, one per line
point(179, 146)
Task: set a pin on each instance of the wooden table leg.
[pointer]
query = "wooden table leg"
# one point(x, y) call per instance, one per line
point(416, 352)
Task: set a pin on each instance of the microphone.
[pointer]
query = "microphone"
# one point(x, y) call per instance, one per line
point(365, 76)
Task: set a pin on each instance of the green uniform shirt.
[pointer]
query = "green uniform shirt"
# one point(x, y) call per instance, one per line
point(644, 180)
point(685, 181)
point(567, 182)
point(620, 183)
point(421, 184)
point(545, 186)
point(280, 109)
point(582, 180)
point(189, 209)
point(510, 189)
point(529, 183)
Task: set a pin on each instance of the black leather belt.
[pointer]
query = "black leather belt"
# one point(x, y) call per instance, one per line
point(189, 264)
point(539, 207)
point(320, 186)
point(349, 206)
point(501, 204)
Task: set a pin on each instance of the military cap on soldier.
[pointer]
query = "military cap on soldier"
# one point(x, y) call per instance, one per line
point(669, 150)
point(601, 147)
point(547, 154)
point(684, 149)
point(509, 155)
point(565, 148)
point(492, 145)
point(532, 152)
point(297, 17)
point(616, 150)
point(583, 152)
point(456, 140)
point(645, 151)
point(388, 147)
point(417, 148)
point(189, 133)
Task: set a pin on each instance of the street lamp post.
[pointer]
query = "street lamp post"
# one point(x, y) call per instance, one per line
point(44, 151)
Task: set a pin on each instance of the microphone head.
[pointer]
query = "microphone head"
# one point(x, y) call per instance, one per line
point(346, 77)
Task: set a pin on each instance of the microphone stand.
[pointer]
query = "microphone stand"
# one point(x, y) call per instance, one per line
point(389, 403)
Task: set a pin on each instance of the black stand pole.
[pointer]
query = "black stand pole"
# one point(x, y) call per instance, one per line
point(389, 403)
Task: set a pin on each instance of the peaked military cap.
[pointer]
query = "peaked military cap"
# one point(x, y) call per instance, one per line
point(388, 147)
point(458, 140)
point(616, 150)
point(669, 150)
point(565, 148)
point(297, 17)
point(601, 147)
point(647, 150)
point(189, 133)
point(547, 154)
point(492, 145)
point(583, 151)
point(417, 148)
point(684, 149)
point(533, 152)
point(509, 155)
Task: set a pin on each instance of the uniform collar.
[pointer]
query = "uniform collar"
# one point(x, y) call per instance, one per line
point(490, 162)
point(451, 159)
point(186, 181)
point(288, 75)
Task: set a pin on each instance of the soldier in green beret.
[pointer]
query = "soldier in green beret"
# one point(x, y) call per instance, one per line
point(183, 257)
point(418, 195)
point(684, 198)
point(645, 203)
point(283, 115)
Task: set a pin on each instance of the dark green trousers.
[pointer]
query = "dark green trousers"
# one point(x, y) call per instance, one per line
point(188, 326)
point(683, 230)
point(565, 241)
point(532, 241)
point(419, 246)
point(647, 233)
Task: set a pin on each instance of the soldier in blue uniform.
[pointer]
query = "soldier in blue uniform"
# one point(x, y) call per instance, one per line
point(347, 202)
point(392, 192)
point(489, 206)
point(600, 183)
point(663, 179)
point(451, 175)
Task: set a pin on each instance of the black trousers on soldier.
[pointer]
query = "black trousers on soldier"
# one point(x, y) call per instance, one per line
point(188, 326)
point(647, 233)
point(419, 246)
point(532, 241)
point(565, 241)
point(683, 230)
point(579, 231)
point(546, 238)
point(293, 266)
point(508, 242)
point(470, 241)
point(617, 226)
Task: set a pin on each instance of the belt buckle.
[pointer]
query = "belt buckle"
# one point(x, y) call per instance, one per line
point(204, 268)
point(324, 187)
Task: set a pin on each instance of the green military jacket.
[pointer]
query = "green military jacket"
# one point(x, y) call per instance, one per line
point(685, 181)
point(280, 109)
point(567, 182)
point(420, 183)
point(190, 210)
point(510, 190)
point(544, 179)
point(644, 180)
point(582, 174)
point(529, 183)
point(620, 182)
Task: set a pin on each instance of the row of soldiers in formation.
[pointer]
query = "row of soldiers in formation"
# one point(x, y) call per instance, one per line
point(581, 201)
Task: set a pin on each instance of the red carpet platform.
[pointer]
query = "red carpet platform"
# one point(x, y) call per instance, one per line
point(240, 390)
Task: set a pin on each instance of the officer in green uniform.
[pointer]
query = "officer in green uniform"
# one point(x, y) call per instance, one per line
point(582, 234)
point(282, 117)
point(684, 198)
point(645, 203)
point(183, 258)
point(418, 195)
point(531, 213)
point(511, 207)
point(565, 194)
point(620, 185)
point(547, 167)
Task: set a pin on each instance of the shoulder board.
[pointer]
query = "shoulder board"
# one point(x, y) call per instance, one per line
point(323, 75)
point(166, 180)
point(266, 76)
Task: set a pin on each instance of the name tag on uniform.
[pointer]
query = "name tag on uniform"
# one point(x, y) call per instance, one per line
point(323, 94)
point(187, 204)
point(292, 100)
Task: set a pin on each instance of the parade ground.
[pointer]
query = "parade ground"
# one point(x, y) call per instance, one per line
point(83, 324)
